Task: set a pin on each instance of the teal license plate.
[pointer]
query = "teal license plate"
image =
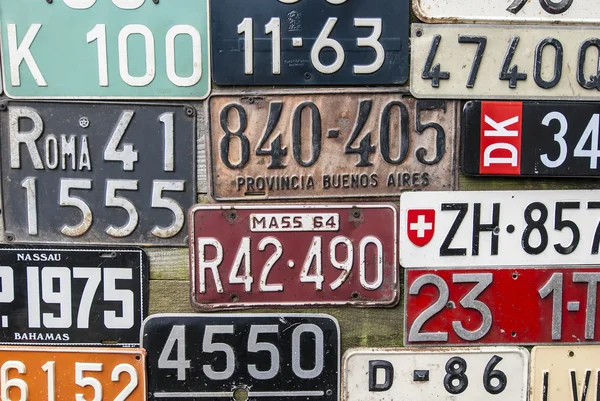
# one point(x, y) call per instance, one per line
point(142, 49)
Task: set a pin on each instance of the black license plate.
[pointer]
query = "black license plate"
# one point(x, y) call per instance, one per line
point(309, 42)
point(68, 296)
point(242, 356)
point(97, 173)
point(556, 139)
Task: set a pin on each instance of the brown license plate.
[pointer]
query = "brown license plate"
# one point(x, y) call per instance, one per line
point(286, 255)
point(64, 374)
point(351, 145)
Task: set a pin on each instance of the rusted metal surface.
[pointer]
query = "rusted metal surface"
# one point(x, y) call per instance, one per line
point(293, 255)
point(254, 155)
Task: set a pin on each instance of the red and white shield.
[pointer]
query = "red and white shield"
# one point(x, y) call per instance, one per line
point(420, 226)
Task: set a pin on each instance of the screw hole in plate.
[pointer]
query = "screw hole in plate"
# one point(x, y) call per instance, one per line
point(240, 394)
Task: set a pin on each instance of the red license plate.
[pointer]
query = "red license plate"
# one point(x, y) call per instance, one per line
point(286, 255)
point(500, 306)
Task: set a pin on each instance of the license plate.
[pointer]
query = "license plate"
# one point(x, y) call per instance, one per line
point(91, 296)
point(565, 373)
point(505, 62)
point(326, 42)
point(494, 306)
point(544, 11)
point(105, 49)
point(56, 373)
point(255, 356)
point(97, 172)
point(453, 374)
point(278, 255)
point(330, 145)
point(499, 228)
point(531, 138)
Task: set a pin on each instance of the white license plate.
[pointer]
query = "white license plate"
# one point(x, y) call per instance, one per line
point(561, 373)
point(563, 11)
point(457, 374)
point(505, 62)
point(499, 228)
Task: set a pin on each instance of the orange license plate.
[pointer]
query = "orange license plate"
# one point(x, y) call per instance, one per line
point(61, 374)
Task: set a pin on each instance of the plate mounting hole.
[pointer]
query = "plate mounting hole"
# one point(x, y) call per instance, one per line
point(571, 354)
point(240, 394)
point(355, 295)
point(514, 334)
point(234, 298)
point(108, 255)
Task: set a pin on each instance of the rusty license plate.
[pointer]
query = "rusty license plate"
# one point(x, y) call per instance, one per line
point(62, 374)
point(330, 145)
point(286, 255)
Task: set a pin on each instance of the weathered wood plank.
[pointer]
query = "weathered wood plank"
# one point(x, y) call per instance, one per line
point(359, 327)
point(466, 183)
point(169, 296)
point(169, 273)
point(168, 263)
point(201, 150)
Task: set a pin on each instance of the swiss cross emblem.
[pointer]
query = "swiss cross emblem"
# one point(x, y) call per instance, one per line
point(420, 226)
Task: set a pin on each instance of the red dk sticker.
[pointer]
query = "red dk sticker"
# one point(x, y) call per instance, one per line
point(420, 225)
point(500, 148)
